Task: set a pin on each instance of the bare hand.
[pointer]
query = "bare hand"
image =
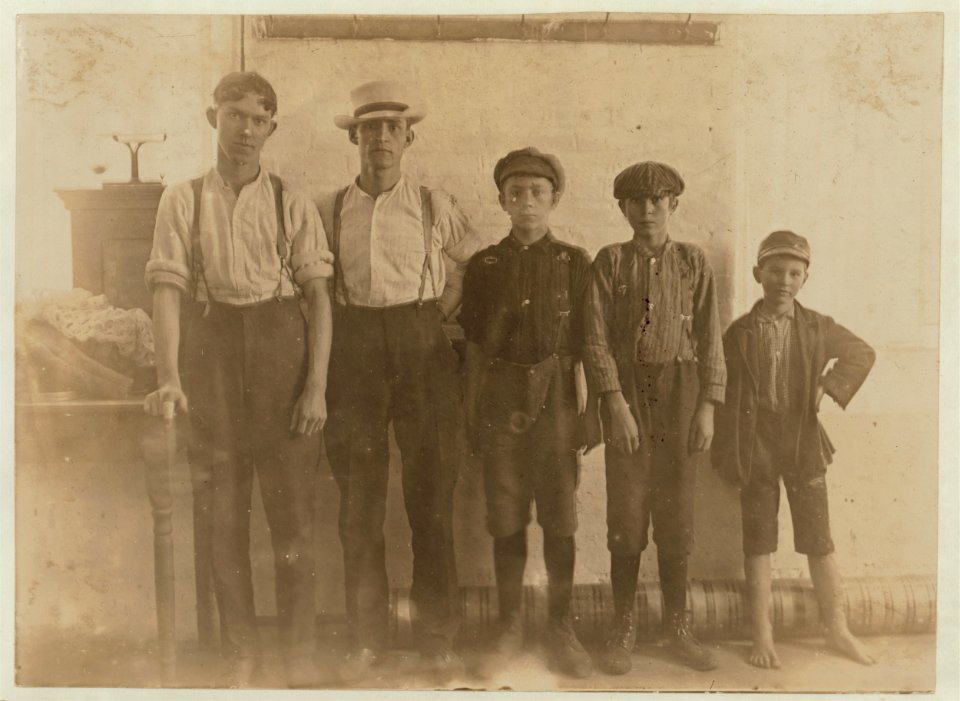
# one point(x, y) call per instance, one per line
point(591, 432)
point(625, 436)
point(166, 401)
point(310, 411)
point(701, 428)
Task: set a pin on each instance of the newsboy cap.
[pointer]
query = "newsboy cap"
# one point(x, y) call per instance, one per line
point(647, 178)
point(530, 161)
point(784, 243)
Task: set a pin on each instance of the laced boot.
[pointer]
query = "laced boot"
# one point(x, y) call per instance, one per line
point(685, 646)
point(566, 651)
point(617, 657)
point(506, 644)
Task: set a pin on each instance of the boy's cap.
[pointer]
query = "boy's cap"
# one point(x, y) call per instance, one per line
point(530, 161)
point(647, 178)
point(784, 243)
point(380, 99)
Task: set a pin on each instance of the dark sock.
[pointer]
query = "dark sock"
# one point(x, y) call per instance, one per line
point(559, 554)
point(673, 581)
point(624, 570)
point(509, 560)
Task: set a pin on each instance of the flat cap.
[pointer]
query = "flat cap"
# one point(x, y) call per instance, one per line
point(530, 161)
point(647, 178)
point(784, 243)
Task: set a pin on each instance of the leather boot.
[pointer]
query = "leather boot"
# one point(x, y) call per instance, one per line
point(617, 657)
point(566, 651)
point(685, 646)
point(504, 647)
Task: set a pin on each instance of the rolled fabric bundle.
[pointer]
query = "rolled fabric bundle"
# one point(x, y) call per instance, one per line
point(874, 606)
point(47, 349)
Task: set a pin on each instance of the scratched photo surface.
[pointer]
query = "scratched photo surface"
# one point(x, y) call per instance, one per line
point(829, 126)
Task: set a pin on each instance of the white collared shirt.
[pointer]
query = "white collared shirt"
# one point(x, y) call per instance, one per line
point(382, 244)
point(238, 237)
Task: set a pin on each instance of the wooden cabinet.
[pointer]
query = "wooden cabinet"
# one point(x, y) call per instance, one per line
point(112, 233)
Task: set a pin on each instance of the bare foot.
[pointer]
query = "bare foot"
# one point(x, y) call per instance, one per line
point(843, 642)
point(763, 653)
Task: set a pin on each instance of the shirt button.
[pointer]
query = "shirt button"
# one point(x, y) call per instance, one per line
point(525, 303)
point(524, 248)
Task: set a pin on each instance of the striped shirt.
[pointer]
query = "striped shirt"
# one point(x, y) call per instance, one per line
point(238, 237)
point(381, 244)
point(777, 346)
point(655, 310)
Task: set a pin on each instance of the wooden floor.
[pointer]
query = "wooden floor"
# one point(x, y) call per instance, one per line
point(905, 663)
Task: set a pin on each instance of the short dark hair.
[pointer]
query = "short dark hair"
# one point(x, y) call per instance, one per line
point(234, 86)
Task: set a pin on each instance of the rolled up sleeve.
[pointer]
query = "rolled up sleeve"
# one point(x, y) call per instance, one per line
point(460, 241)
point(598, 358)
point(169, 262)
point(310, 257)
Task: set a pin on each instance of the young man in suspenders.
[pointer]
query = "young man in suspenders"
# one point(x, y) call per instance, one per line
point(242, 325)
point(391, 363)
point(523, 320)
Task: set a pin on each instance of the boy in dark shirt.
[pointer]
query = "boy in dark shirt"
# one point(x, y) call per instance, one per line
point(522, 317)
point(768, 430)
point(653, 352)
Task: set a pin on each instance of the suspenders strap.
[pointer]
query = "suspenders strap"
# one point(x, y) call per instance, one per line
point(283, 250)
point(562, 287)
point(334, 244)
point(196, 251)
point(426, 214)
point(198, 271)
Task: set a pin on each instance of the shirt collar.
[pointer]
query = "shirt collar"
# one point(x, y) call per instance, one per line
point(220, 182)
point(789, 314)
point(541, 244)
point(397, 187)
point(644, 253)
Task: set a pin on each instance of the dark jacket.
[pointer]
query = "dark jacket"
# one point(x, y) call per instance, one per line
point(819, 340)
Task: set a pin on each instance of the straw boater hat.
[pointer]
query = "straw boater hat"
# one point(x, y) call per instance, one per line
point(378, 100)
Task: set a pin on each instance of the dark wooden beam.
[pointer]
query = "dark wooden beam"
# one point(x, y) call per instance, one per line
point(607, 28)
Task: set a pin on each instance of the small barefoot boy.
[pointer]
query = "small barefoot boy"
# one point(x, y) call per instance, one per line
point(768, 430)
point(522, 317)
point(653, 352)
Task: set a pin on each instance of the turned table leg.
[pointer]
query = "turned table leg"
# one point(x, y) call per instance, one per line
point(160, 451)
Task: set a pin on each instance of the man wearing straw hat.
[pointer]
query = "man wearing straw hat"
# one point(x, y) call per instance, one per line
point(392, 363)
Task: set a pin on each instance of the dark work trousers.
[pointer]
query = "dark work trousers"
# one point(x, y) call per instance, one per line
point(395, 365)
point(538, 463)
point(243, 369)
point(656, 482)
